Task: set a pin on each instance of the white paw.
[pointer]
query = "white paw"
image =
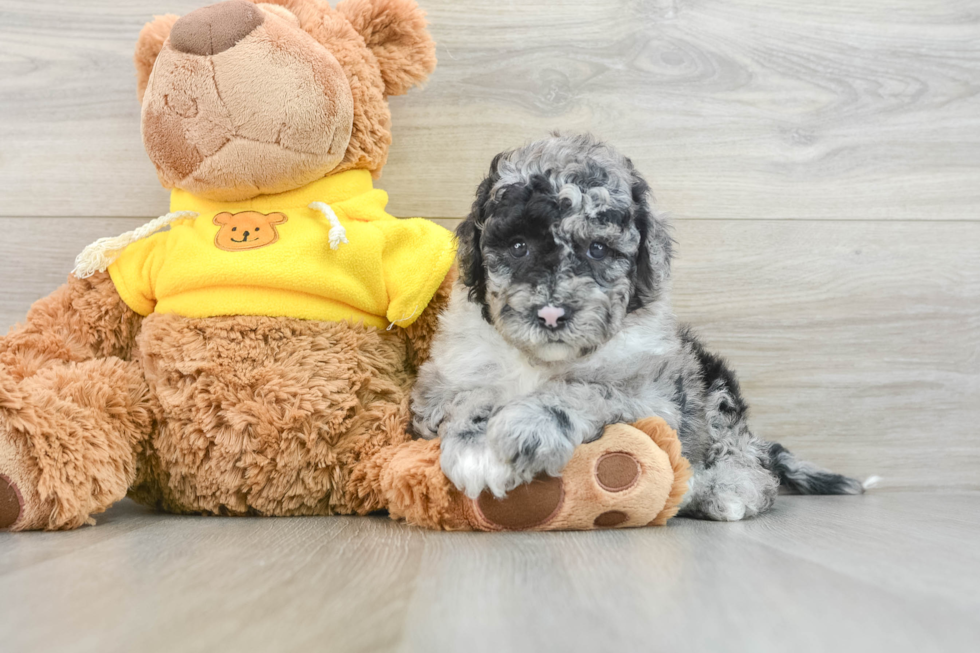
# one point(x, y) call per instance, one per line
point(535, 439)
point(473, 467)
point(728, 508)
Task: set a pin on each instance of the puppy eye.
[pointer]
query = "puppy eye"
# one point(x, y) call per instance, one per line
point(597, 251)
point(518, 249)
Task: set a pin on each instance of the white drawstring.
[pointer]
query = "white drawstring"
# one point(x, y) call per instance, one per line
point(100, 255)
point(403, 318)
point(337, 234)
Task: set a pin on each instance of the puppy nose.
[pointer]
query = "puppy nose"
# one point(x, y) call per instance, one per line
point(214, 29)
point(552, 316)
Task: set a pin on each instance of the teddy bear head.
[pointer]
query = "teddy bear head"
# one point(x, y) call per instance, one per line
point(241, 98)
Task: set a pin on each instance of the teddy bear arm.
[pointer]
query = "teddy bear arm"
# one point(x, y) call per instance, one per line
point(82, 320)
point(420, 333)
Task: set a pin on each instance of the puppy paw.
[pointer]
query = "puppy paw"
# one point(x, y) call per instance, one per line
point(473, 467)
point(730, 492)
point(532, 439)
point(726, 507)
point(464, 416)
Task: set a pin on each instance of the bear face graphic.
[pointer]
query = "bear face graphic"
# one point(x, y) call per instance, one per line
point(246, 230)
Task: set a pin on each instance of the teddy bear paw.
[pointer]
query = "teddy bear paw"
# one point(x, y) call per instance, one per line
point(629, 477)
point(20, 505)
point(11, 503)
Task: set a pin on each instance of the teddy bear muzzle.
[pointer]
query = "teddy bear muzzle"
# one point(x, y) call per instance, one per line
point(214, 29)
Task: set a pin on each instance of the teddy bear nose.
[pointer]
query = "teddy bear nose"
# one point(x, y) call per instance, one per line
point(215, 28)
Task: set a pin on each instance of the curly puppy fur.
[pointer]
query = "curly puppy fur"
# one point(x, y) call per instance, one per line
point(561, 323)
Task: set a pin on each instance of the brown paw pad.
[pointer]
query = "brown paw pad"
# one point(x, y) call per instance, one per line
point(610, 518)
point(11, 503)
point(617, 471)
point(527, 506)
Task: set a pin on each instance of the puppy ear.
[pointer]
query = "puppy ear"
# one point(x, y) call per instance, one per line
point(151, 39)
point(469, 257)
point(395, 31)
point(222, 218)
point(652, 266)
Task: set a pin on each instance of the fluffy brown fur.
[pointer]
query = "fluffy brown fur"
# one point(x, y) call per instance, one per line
point(82, 320)
point(412, 486)
point(419, 334)
point(73, 411)
point(666, 439)
point(394, 30)
point(268, 415)
point(236, 415)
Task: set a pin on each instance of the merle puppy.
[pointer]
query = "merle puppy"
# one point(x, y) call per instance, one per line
point(561, 323)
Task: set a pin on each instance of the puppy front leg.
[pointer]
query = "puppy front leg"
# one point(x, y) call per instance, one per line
point(460, 420)
point(539, 432)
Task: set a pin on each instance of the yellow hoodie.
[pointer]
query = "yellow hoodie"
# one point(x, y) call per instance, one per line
point(344, 259)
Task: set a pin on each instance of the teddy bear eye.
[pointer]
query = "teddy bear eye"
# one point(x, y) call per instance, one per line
point(257, 228)
point(234, 228)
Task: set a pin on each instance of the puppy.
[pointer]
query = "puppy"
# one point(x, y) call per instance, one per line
point(561, 323)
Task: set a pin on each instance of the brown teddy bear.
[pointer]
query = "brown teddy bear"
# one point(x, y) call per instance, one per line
point(256, 356)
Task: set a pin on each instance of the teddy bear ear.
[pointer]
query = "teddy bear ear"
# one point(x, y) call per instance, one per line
point(148, 46)
point(281, 12)
point(276, 218)
point(222, 218)
point(395, 31)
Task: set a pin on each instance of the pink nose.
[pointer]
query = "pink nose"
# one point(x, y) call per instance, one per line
point(551, 315)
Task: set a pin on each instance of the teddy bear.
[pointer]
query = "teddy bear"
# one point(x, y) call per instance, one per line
point(252, 351)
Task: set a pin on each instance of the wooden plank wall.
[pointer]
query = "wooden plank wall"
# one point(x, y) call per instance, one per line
point(821, 162)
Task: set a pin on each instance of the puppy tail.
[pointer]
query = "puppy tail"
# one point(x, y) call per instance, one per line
point(806, 478)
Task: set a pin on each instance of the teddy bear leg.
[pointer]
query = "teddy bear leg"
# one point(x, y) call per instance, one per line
point(634, 475)
point(410, 484)
point(69, 437)
point(71, 409)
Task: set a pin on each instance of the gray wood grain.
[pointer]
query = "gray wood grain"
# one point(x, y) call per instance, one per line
point(857, 343)
point(734, 109)
point(816, 574)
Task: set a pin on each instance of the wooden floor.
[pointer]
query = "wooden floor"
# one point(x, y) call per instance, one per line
point(889, 571)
